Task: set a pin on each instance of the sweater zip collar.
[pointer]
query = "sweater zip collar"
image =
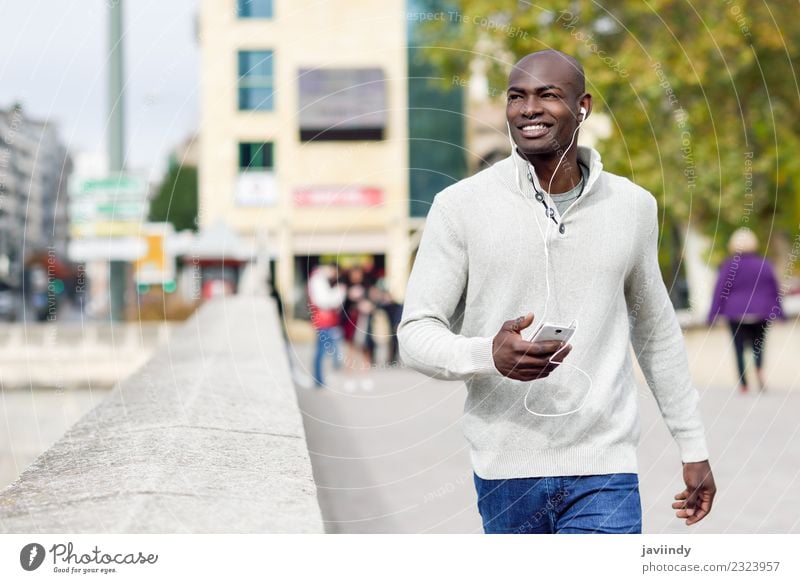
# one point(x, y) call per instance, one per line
point(589, 157)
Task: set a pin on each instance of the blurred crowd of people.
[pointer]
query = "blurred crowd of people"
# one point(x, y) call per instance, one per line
point(346, 307)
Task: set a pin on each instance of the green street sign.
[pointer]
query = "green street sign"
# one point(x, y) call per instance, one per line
point(113, 187)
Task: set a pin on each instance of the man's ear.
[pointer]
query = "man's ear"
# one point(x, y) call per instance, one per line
point(586, 102)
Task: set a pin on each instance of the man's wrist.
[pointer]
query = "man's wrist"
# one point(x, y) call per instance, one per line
point(482, 356)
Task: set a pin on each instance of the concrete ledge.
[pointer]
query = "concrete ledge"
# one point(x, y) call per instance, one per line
point(205, 438)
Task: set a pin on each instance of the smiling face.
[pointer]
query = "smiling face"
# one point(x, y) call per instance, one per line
point(544, 96)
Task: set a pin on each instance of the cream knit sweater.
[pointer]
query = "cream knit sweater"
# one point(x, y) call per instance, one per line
point(481, 262)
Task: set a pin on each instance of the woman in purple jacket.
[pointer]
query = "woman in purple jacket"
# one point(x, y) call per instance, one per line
point(747, 295)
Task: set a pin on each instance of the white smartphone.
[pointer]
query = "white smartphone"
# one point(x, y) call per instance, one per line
point(553, 332)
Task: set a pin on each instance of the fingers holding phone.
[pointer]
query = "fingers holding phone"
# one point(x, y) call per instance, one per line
point(524, 360)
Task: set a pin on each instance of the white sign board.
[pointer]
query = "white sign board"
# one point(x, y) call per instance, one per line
point(256, 188)
point(107, 249)
point(157, 266)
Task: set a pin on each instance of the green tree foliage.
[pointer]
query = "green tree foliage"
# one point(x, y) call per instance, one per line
point(176, 200)
point(702, 96)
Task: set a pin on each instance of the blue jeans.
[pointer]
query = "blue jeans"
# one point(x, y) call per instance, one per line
point(606, 504)
point(328, 342)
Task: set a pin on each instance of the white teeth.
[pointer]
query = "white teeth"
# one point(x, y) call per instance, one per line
point(534, 127)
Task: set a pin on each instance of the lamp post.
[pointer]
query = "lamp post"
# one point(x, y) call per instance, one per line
point(118, 273)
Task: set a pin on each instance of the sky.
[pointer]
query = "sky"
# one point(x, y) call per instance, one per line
point(53, 59)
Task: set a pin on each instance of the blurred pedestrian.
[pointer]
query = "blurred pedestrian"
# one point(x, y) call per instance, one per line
point(394, 312)
point(747, 295)
point(358, 311)
point(325, 296)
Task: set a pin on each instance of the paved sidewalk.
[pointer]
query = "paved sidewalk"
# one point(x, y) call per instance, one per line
point(393, 460)
point(31, 421)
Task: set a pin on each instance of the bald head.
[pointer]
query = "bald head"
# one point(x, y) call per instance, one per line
point(568, 68)
point(546, 103)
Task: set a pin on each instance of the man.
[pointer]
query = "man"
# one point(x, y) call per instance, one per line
point(553, 445)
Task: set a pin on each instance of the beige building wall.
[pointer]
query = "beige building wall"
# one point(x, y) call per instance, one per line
point(307, 34)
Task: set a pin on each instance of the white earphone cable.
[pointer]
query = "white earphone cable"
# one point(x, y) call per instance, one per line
point(545, 236)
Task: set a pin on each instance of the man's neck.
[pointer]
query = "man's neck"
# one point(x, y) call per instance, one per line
point(567, 177)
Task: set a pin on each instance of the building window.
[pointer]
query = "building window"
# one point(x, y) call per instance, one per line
point(256, 89)
point(342, 104)
point(254, 8)
point(256, 184)
point(254, 156)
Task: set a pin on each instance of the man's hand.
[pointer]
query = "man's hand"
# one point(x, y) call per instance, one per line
point(521, 360)
point(694, 503)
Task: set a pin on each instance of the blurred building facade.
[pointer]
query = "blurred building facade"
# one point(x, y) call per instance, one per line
point(438, 148)
point(35, 168)
point(304, 133)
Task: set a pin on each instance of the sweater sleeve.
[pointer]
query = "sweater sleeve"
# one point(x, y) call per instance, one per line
point(658, 343)
point(437, 283)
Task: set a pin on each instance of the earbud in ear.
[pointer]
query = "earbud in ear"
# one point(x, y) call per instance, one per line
point(584, 113)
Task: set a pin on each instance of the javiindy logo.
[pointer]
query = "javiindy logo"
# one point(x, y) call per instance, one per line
point(31, 556)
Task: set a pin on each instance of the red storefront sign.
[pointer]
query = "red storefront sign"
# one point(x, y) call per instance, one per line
point(338, 196)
